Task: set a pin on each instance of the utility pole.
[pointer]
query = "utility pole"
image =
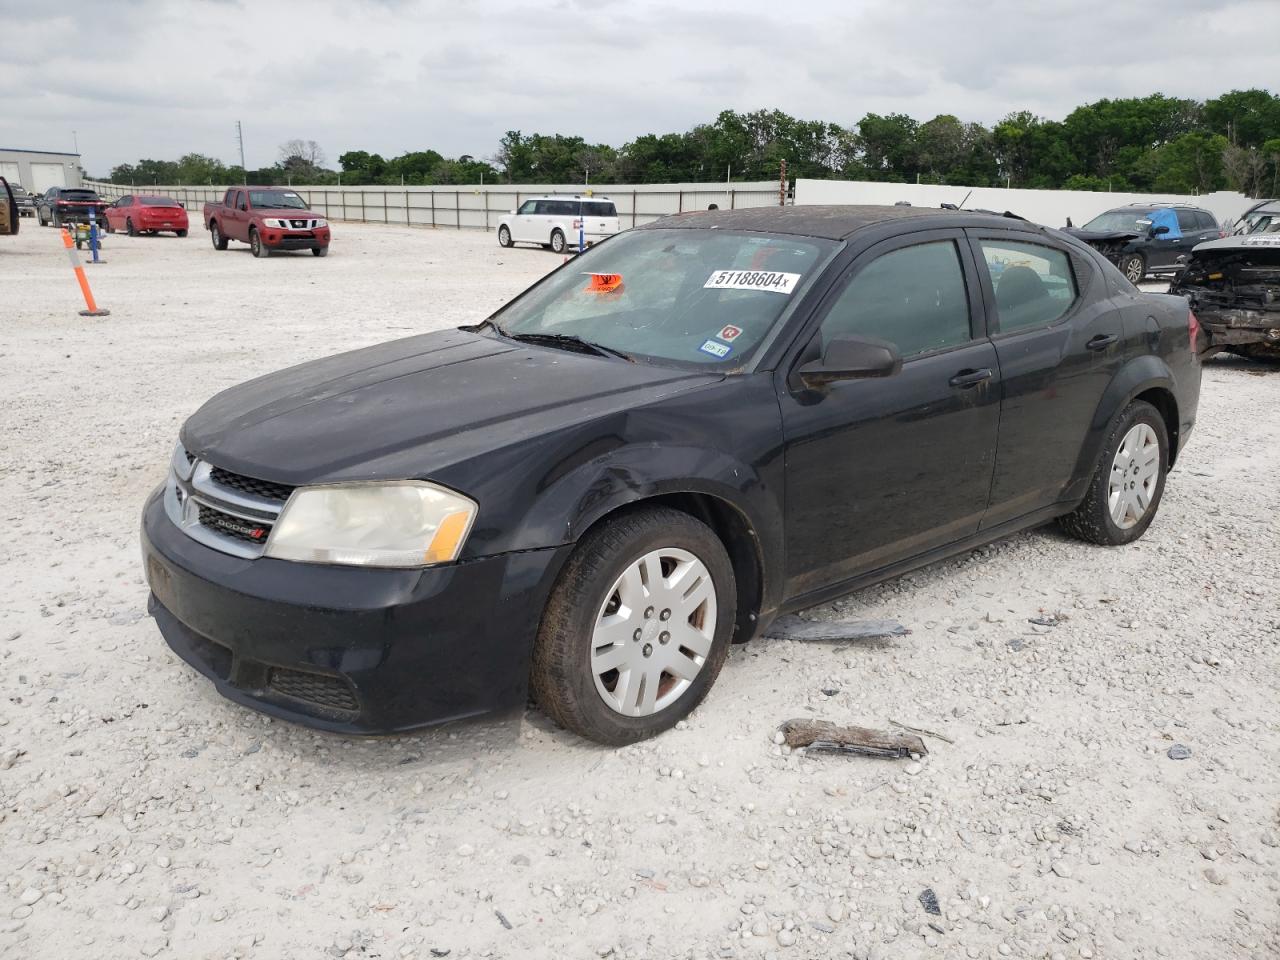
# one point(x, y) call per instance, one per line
point(782, 184)
point(75, 142)
point(244, 174)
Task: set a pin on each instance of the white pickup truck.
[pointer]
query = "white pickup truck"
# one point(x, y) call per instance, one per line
point(555, 222)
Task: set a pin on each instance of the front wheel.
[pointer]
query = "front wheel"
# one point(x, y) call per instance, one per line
point(1127, 485)
point(130, 228)
point(259, 248)
point(319, 251)
point(1134, 268)
point(557, 241)
point(504, 237)
point(106, 226)
point(180, 233)
point(637, 627)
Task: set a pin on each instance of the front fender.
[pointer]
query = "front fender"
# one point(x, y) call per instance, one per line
point(1137, 376)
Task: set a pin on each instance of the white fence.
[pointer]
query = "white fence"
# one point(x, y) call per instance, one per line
point(477, 207)
point(1049, 207)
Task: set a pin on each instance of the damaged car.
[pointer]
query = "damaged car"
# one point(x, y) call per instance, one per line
point(1144, 240)
point(1262, 217)
point(694, 427)
point(1233, 287)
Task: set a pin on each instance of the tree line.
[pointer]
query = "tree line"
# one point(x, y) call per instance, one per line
point(1153, 144)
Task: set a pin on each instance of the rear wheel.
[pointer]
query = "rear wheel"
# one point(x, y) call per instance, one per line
point(1127, 485)
point(215, 235)
point(259, 248)
point(557, 241)
point(1134, 267)
point(504, 237)
point(637, 627)
point(180, 233)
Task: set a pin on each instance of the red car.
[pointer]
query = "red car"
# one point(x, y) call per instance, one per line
point(144, 213)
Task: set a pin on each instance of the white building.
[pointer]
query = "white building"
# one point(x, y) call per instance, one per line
point(38, 170)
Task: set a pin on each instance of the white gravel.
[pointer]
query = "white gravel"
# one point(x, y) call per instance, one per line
point(142, 815)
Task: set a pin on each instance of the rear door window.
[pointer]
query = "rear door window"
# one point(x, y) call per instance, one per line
point(914, 297)
point(1188, 221)
point(1033, 283)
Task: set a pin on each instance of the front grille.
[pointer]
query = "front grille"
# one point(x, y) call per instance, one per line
point(299, 224)
point(332, 693)
point(259, 488)
point(234, 527)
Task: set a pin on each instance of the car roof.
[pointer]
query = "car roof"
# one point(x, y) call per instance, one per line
point(823, 221)
point(564, 196)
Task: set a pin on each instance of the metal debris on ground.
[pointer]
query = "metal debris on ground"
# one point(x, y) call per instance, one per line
point(922, 731)
point(826, 737)
point(794, 628)
point(502, 919)
point(929, 900)
point(1051, 620)
point(1179, 752)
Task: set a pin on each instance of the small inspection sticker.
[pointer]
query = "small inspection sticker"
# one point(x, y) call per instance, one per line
point(730, 333)
point(770, 280)
point(716, 348)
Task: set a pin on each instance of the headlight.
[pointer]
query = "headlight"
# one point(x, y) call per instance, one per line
point(402, 524)
point(322, 223)
point(275, 224)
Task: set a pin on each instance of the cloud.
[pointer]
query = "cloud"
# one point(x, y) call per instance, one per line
point(166, 77)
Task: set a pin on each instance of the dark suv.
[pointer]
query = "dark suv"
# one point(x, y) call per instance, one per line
point(1142, 239)
point(61, 205)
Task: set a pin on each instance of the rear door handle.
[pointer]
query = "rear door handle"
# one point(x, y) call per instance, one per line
point(1102, 341)
point(969, 378)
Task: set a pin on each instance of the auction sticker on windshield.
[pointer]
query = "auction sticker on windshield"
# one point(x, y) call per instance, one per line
point(716, 349)
point(752, 280)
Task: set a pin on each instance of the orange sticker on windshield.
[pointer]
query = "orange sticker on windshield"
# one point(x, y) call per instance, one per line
point(605, 282)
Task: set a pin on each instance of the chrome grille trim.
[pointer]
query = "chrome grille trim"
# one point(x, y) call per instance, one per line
point(190, 486)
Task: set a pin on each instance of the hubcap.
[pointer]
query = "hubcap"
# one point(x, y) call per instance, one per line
point(1135, 471)
point(1134, 272)
point(653, 632)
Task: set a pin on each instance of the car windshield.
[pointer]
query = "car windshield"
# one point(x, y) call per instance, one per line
point(1120, 221)
point(1261, 221)
point(276, 200)
point(157, 202)
point(684, 295)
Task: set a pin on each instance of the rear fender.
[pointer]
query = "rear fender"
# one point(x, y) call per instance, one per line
point(1137, 376)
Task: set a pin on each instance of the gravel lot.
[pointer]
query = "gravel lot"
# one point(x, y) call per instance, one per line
point(142, 815)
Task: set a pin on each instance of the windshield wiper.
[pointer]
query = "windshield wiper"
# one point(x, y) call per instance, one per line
point(572, 341)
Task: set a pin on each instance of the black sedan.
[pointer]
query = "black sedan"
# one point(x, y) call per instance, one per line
point(652, 453)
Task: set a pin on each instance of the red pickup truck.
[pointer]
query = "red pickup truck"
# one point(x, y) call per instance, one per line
point(268, 219)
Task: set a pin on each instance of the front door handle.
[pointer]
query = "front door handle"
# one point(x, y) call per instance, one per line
point(1102, 341)
point(969, 378)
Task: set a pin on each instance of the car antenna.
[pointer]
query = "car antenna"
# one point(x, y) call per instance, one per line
point(965, 200)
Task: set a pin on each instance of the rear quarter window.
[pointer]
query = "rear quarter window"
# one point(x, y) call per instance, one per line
point(598, 208)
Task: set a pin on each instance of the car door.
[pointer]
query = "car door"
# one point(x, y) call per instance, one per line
point(117, 212)
point(880, 470)
point(522, 223)
point(1164, 249)
point(1059, 341)
point(238, 217)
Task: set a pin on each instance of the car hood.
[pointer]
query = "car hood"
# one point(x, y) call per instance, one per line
point(1102, 236)
point(1249, 242)
point(287, 213)
point(403, 409)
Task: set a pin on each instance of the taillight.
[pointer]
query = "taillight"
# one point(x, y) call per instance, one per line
point(1193, 331)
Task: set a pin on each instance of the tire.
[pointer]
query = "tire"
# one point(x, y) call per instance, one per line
point(1097, 519)
point(259, 248)
point(215, 235)
point(319, 251)
point(557, 241)
point(567, 656)
point(57, 220)
point(1134, 267)
point(106, 226)
point(504, 236)
point(40, 218)
point(180, 233)
point(130, 228)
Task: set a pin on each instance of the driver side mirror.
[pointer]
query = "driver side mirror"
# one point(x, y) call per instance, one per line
point(1158, 231)
point(851, 358)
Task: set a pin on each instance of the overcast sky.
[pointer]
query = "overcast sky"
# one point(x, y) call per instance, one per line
point(159, 78)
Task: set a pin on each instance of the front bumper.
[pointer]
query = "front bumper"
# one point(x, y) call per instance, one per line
point(349, 649)
point(295, 239)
